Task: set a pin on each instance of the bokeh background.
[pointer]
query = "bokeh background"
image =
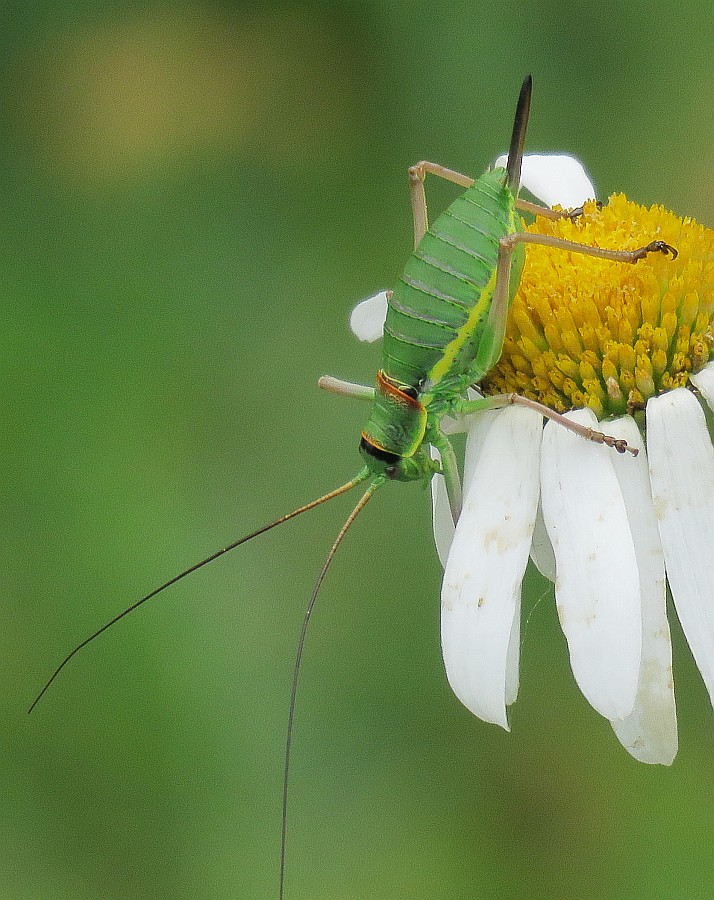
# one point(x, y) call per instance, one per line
point(192, 197)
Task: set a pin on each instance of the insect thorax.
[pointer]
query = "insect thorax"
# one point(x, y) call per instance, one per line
point(397, 421)
point(393, 437)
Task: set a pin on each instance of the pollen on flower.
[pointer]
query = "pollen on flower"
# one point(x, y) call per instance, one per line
point(590, 332)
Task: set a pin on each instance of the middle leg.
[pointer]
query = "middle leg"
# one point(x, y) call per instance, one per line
point(499, 401)
point(493, 335)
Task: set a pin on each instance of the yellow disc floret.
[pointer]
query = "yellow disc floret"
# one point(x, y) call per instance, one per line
point(589, 332)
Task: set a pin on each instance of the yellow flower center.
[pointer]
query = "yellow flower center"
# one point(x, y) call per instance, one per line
point(608, 335)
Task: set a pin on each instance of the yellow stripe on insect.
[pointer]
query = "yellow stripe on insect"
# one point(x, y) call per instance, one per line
point(479, 310)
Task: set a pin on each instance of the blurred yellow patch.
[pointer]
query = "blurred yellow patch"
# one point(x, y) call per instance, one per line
point(117, 97)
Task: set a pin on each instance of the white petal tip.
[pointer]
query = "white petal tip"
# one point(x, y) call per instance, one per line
point(662, 755)
point(555, 179)
point(367, 318)
point(465, 696)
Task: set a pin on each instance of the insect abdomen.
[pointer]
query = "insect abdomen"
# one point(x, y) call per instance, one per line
point(446, 287)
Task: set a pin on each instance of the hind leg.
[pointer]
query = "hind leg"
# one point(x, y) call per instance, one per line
point(417, 176)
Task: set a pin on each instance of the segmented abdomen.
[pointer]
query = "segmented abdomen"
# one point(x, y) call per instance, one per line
point(448, 275)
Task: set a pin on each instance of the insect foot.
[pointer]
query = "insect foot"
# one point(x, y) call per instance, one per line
point(579, 211)
point(656, 247)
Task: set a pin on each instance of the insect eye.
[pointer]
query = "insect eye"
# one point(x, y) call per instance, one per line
point(390, 471)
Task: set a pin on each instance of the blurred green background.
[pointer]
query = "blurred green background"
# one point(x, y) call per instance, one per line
point(192, 197)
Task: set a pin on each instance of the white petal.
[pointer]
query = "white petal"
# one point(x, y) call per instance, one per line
point(649, 733)
point(681, 461)
point(442, 521)
point(555, 179)
point(541, 548)
point(597, 587)
point(513, 655)
point(480, 425)
point(482, 581)
point(704, 382)
point(367, 318)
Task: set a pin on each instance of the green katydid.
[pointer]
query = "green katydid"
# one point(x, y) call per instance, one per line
point(443, 333)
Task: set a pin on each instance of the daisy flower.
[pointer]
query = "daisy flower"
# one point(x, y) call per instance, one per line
point(596, 340)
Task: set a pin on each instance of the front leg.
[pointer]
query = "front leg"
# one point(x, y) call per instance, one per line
point(345, 388)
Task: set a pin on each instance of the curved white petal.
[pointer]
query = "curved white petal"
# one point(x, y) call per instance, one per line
point(649, 733)
point(681, 461)
point(541, 548)
point(479, 427)
point(442, 522)
point(367, 318)
point(480, 600)
point(704, 382)
point(513, 655)
point(555, 179)
point(597, 587)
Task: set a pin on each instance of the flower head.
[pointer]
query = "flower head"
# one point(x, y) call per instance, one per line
point(597, 339)
point(594, 339)
point(584, 332)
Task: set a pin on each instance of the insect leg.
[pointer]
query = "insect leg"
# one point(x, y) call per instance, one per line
point(345, 388)
point(491, 343)
point(546, 240)
point(494, 332)
point(547, 213)
point(417, 175)
point(498, 401)
point(450, 471)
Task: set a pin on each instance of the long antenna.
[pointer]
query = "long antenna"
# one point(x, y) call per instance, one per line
point(378, 482)
point(358, 479)
point(518, 137)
